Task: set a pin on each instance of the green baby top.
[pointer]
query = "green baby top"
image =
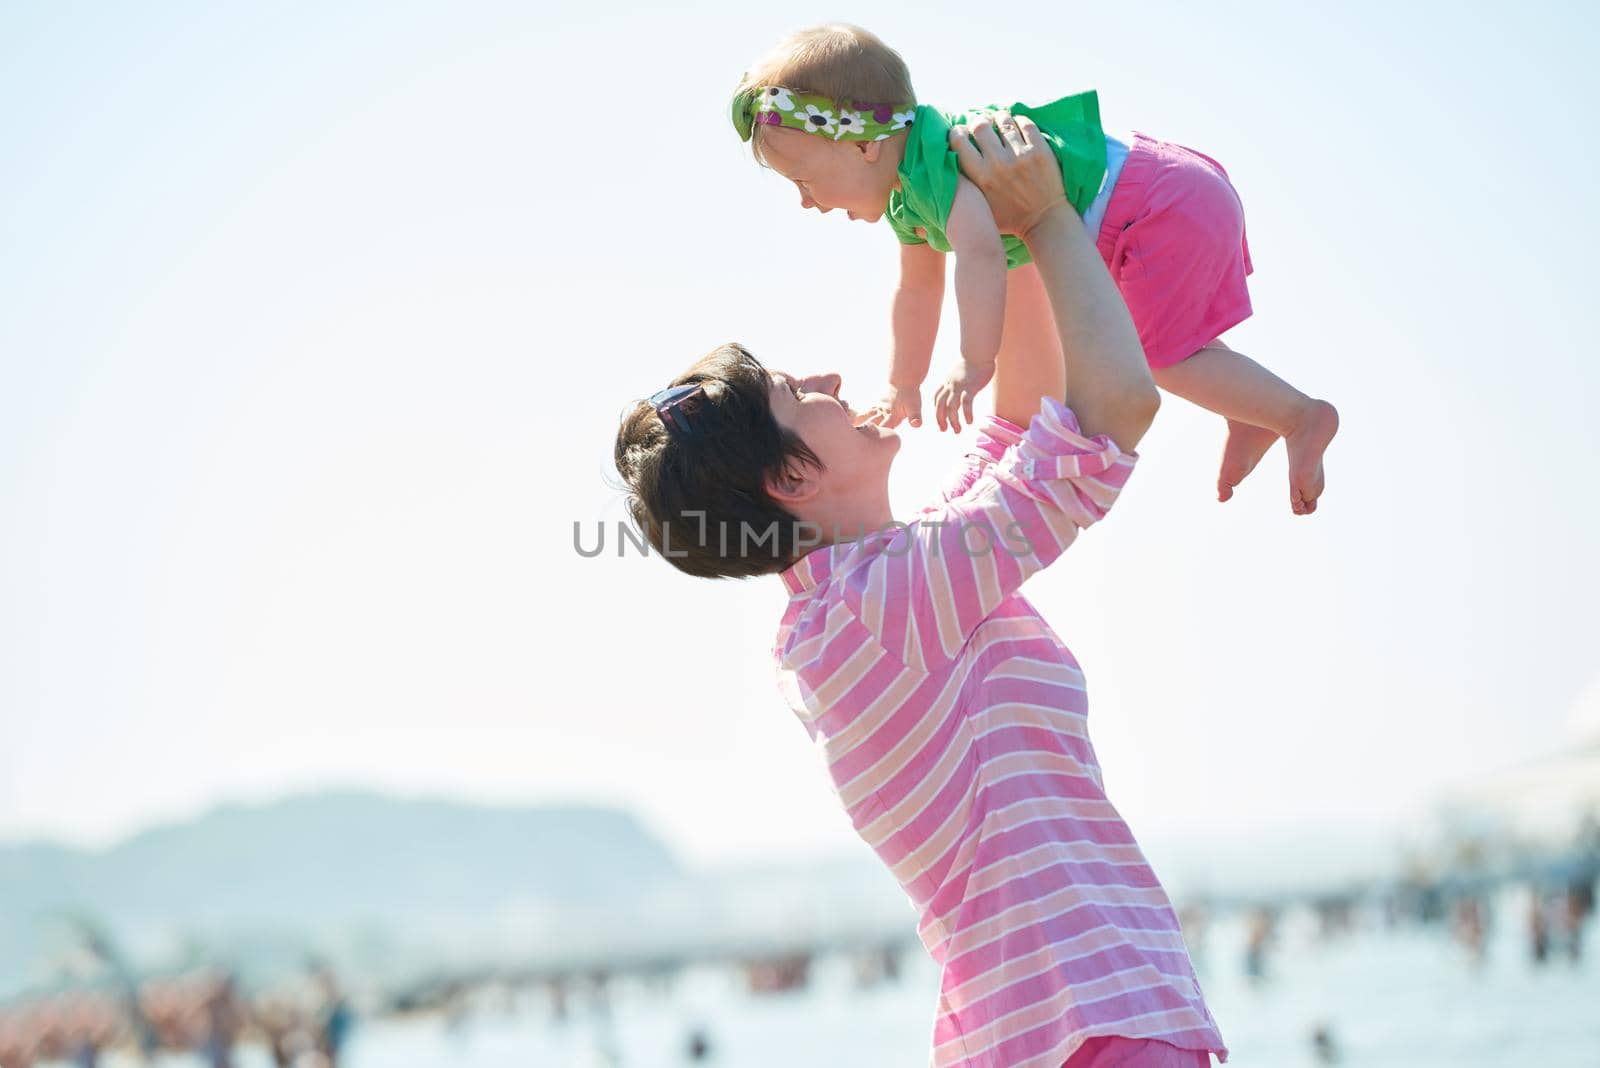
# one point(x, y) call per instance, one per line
point(928, 171)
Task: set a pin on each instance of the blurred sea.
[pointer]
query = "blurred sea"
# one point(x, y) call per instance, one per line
point(1407, 996)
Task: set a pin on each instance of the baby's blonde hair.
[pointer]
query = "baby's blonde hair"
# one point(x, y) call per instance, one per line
point(837, 60)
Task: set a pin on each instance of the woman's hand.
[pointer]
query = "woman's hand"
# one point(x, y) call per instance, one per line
point(1104, 379)
point(1018, 173)
point(953, 398)
point(899, 403)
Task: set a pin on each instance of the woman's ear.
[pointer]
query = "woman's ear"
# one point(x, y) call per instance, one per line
point(795, 484)
point(870, 150)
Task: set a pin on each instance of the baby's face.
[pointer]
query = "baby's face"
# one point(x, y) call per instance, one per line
point(857, 176)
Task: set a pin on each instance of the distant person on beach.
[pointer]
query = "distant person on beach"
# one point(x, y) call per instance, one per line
point(333, 1015)
point(223, 1018)
point(832, 109)
point(1259, 938)
point(1538, 926)
point(1470, 925)
point(952, 718)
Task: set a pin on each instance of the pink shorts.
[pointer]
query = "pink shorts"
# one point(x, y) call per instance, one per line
point(1173, 238)
point(1114, 1051)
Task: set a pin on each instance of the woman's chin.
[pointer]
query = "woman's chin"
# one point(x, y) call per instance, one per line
point(873, 430)
point(889, 439)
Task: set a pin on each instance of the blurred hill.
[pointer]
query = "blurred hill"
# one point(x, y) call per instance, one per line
point(321, 862)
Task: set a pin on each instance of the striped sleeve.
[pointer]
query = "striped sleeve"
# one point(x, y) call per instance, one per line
point(995, 436)
point(938, 577)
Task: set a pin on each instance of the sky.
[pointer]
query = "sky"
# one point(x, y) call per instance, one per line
point(316, 323)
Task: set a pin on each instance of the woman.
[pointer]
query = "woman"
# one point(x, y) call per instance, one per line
point(952, 718)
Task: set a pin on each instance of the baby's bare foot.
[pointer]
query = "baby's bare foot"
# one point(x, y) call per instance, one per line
point(1246, 445)
point(1307, 440)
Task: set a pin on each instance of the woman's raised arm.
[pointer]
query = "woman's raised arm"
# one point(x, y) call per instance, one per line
point(1108, 383)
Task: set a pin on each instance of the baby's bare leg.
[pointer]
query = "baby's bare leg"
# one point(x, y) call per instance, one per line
point(1029, 325)
point(1260, 407)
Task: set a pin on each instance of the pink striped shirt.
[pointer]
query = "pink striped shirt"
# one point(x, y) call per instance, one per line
point(953, 722)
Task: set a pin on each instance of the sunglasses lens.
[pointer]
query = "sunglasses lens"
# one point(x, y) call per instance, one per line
point(667, 402)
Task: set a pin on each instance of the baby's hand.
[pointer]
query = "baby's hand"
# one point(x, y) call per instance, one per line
point(898, 403)
point(954, 396)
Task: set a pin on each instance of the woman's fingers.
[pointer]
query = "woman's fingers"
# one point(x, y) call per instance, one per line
point(976, 158)
point(1023, 185)
point(1020, 132)
point(988, 139)
point(968, 158)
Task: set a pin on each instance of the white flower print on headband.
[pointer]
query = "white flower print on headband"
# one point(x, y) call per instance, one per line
point(817, 120)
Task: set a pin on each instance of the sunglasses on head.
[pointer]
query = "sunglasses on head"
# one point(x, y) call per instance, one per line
point(669, 402)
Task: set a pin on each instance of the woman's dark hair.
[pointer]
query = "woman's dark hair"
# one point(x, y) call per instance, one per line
point(699, 496)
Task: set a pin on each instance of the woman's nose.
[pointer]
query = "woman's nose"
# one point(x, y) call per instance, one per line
point(828, 383)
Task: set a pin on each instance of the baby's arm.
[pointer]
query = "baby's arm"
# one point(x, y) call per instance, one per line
point(980, 299)
point(917, 301)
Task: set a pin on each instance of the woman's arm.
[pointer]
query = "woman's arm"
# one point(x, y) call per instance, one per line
point(1108, 383)
point(940, 576)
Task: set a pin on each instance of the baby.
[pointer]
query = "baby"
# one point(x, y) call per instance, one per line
point(832, 110)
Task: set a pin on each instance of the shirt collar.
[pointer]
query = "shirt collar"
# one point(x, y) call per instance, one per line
point(809, 570)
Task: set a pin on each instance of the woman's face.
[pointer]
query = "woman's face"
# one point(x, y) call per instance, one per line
point(855, 459)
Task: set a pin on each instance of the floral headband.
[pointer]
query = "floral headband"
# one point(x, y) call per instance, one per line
point(771, 105)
